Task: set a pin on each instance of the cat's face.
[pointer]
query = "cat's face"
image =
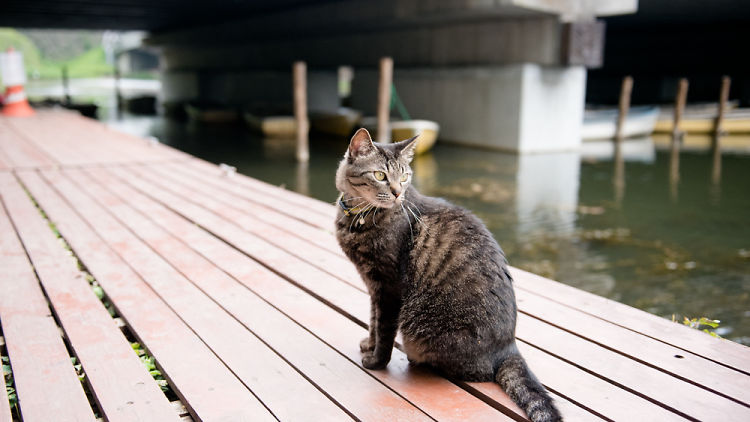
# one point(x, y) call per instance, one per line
point(373, 173)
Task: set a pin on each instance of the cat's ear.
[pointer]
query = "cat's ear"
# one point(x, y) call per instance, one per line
point(361, 144)
point(406, 148)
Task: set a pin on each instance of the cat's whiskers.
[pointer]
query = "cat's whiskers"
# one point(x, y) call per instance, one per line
point(356, 217)
point(368, 213)
point(408, 220)
point(351, 199)
point(346, 215)
point(419, 220)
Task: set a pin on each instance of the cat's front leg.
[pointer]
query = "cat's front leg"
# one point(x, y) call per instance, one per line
point(386, 307)
point(368, 343)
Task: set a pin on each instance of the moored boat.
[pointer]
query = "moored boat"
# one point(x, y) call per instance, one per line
point(340, 123)
point(427, 130)
point(703, 121)
point(210, 113)
point(602, 124)
point(272, 126)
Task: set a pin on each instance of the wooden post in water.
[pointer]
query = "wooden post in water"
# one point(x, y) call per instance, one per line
point(299, 71)
point(384, 99)
point(625, 90)
point(679, 106)
point(726, 82)
point(66, 88)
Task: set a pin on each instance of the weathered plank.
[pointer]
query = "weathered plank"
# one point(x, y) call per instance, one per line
point(126, 148)
point(269, 255)
point(277, 384)
point(228, 195)
point(46, 382)
point(20, 153)
point(418, 385)
point(39, 131)
point(650, 383)
point(270, 191)
point(207, 388)
point(336, 264)
point(674, 361)
point(4, 160)
point(727, 353)
point(341, 299)
point(123, 388)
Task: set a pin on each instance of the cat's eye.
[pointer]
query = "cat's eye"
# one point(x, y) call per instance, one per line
point(404, 177)
point(379, 175)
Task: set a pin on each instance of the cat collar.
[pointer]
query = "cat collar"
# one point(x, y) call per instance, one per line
point(348, 211)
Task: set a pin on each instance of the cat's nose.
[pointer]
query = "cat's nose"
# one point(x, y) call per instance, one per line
point(396, 192)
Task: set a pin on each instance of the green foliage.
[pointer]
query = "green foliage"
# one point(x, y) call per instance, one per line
point(11, 38)
point(150, 363)
point(90, 64)
point(9, 388)
point(696, 324)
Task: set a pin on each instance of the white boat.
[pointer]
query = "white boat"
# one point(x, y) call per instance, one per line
point(272, 126)
point(427, 130)
point(602, 124)
point(636, 149)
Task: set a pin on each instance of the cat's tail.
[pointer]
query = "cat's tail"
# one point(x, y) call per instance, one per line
point(526, 391)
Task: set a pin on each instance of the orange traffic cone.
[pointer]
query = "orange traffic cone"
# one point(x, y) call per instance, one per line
point(14, 102)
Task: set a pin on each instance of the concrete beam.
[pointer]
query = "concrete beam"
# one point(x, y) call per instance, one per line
point(353, 16)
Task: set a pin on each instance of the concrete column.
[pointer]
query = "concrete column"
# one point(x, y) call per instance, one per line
point(523, 108)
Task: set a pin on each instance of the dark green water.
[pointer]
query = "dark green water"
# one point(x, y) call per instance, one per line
point(679, 249)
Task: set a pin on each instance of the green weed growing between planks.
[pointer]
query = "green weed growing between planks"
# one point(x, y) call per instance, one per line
point(10, 388)
point(148, 361)
point(696, 324)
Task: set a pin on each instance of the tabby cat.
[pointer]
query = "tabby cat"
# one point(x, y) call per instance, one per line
point(433, 271)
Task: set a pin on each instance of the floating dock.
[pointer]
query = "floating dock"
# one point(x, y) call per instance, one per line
point(239, 292)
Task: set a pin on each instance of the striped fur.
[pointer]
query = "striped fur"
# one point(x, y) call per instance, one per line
point(433, 271)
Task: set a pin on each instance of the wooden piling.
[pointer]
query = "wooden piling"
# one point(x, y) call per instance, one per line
point(299, 71)
point(66, 87)
point(625, 90)
point(726, 82)
point(679, 106)
point(384, 99)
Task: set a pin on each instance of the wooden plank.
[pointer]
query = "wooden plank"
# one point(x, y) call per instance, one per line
point(600, 401)
point(338, 377)
point(282, 218)
point(643, 380)
point(418, 385)
point(271, 191)
point(46, 382)
point(4, 160)
point(281, 204)
point(717, 400)
point(19, 151)
point(267, 254)
point(725, 352)
point(55, 144)
point(207, 388)
point(126, 148)
point(298, 246)
point(123, 388)
point(687, 366)
point(277, 384)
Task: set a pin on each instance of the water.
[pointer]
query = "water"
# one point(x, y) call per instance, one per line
point(632, 233)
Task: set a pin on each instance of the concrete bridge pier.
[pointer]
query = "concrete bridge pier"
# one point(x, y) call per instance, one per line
point(500, 74)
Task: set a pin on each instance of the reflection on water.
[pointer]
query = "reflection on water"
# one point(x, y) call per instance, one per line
point(667, 232)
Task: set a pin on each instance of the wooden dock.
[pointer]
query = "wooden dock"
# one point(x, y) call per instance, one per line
point(239, 291)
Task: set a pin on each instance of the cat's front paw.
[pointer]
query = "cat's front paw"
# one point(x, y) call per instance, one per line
point(366, 345)
point(370, 361)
